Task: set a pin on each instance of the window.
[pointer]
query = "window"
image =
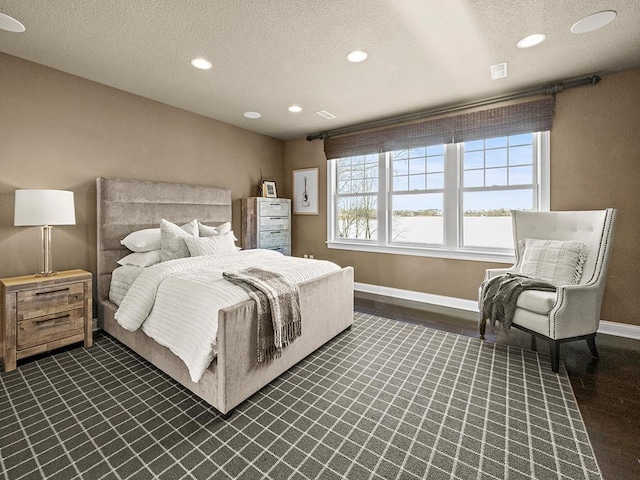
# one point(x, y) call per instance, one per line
point(442, 200)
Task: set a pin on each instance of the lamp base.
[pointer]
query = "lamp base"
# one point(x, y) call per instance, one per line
point(46, 274)
point(47, 252)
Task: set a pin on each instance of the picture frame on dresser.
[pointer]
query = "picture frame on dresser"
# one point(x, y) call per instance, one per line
point(269, 189)
point(305, 191)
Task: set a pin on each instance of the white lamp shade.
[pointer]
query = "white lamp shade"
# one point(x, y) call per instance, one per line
point(44, 207)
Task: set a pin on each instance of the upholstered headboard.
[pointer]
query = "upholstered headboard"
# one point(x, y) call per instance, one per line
point(125, 206)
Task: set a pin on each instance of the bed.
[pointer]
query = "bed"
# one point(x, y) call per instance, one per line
point(326, 303)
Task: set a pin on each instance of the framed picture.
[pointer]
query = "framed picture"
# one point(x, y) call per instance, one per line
point(269, 189)
point(305, 191)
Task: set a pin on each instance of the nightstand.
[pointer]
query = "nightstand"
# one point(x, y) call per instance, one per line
point(42, 313)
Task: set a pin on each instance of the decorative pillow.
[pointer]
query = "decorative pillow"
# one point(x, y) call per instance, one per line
point(554, 261)
point(207, 231)
point(172, 239)
point(213, 245)
point(142, 240)
point(142, 259)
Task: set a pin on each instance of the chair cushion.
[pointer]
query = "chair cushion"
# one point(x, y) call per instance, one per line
point(554, 261)
point(537, 301)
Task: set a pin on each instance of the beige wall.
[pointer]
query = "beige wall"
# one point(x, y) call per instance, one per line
point(60, 131)
point(595, 163)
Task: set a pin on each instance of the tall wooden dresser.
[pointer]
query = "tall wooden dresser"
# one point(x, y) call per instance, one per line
point(266, 223)
point(42, 313)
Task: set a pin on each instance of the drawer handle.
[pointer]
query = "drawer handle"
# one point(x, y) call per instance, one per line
point(38, 322)
point(52, 291)
point(274, 233)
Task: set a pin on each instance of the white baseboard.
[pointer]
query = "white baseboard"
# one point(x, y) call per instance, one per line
point(460, 307)
point(619, 329)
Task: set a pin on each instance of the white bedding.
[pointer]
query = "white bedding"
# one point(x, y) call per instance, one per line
point(121, 280)
point(177, 302)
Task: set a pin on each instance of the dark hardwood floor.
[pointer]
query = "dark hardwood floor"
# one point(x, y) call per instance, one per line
point(607, 389)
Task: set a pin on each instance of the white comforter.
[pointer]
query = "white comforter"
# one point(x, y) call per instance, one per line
point(176, 303)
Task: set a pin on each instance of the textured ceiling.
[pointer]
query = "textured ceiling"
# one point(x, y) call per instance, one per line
point(270, 54)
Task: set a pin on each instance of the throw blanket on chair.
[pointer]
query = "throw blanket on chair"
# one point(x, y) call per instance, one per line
point(499, 295)
point(278, 307)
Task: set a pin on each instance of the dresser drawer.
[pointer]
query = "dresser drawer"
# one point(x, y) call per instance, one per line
point(274, 238)
point(273, 209)
point(274, 223)
point(283, 249)
point(49, 328)
point(46, 301)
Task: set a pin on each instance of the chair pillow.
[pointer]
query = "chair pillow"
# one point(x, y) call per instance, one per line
point(554, 261)
point(172, 239)
point(213, 245)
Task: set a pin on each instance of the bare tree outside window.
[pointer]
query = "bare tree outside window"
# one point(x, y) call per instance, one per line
point(357, 197)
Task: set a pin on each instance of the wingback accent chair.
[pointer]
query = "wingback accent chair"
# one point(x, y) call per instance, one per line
point(572, 312)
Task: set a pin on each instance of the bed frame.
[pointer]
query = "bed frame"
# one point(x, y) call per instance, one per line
point(326, 302)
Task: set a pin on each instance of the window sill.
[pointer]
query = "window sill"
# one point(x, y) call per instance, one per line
point(508, 258)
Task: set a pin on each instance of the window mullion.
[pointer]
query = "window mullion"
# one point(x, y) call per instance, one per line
point(542, 172)
point(332, 195)
point(384, 203)
point(451, 196)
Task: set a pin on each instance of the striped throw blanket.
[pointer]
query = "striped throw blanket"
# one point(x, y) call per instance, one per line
point(499, 296)
point(278, 306)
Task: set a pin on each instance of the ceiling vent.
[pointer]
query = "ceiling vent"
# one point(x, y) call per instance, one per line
point(499, 70)
point(325, 114)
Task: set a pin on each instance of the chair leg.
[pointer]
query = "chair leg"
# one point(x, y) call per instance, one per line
point(534, 347)
point(554, 350)
point(591, 343)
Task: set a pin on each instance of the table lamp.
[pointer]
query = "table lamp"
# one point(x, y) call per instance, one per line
point(44, 208)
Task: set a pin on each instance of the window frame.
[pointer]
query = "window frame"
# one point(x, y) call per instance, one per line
point(452, 201)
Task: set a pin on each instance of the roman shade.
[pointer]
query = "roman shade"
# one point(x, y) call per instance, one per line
point(524, 117)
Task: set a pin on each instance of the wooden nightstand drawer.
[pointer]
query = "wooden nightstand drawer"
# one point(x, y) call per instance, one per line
point(49, 328)
point(51, 300)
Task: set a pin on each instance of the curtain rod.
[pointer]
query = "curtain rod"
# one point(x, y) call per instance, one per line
point(546, 90)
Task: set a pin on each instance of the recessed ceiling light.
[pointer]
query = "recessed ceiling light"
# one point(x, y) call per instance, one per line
point(295, 108)
point(201, 63)
point(10, 24)
point(532, 40)
point(357, 56)
point(593, 22)
point(499, 70)
point(252, 114)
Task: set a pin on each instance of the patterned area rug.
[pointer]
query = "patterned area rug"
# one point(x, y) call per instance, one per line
point(385, 400)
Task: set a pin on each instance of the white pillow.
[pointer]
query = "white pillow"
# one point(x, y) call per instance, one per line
point(554, 261)
point(142, 259)
point(142, 240)
point(207, 231)
point(213, 245)
point(172, 239)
